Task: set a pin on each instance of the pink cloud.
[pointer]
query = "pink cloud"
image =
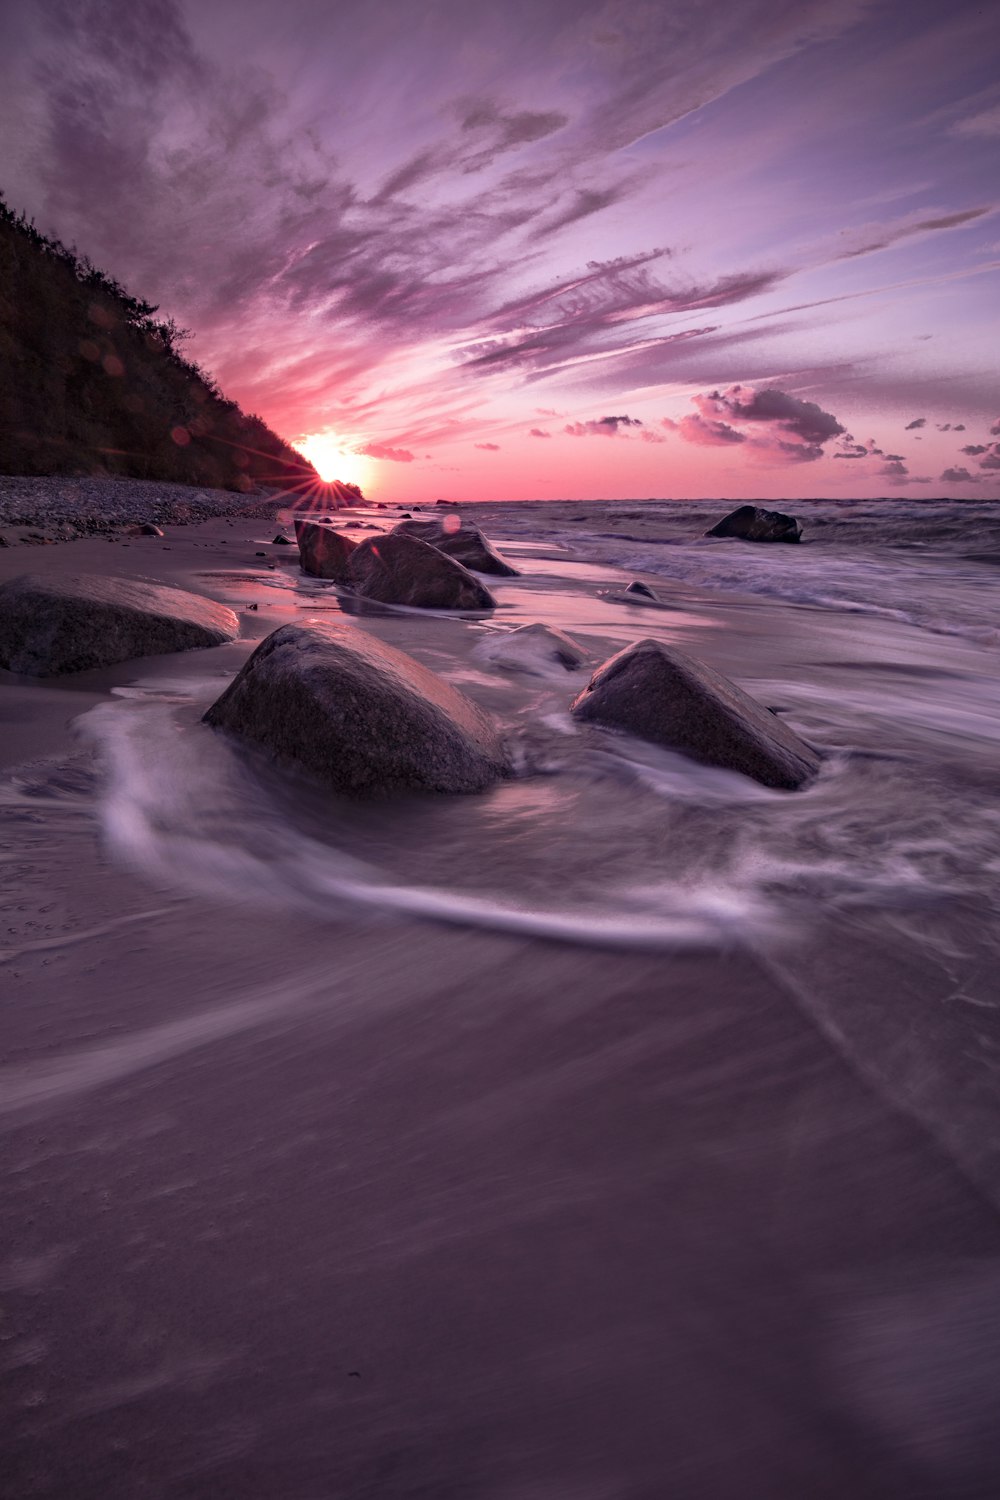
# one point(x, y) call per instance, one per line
point(782, 428)
point(384, 450)
point(709, 432)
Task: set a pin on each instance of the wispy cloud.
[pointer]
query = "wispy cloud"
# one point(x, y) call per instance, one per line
point(984, 124)
point(867, 239)
point(464, 215)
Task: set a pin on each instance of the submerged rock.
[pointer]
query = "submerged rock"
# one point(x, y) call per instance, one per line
point(394, 568)
point(641, 589)
point(281, 540)
point(359, 716)
point(661, 694)
point(323, 552)
point(465, 542)
point(537, 649)
point(76, 622)
point(750, 523)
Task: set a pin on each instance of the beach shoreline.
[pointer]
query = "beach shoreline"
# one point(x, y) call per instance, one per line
point(509, 1144)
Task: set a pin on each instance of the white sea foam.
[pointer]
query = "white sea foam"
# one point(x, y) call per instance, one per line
point(177, 805)
point(180, 804)
point(943, 595)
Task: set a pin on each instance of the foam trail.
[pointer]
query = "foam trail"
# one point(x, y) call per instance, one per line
point(177, 817)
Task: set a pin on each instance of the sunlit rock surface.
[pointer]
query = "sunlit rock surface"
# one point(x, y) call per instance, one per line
point(76, 622)
point(323, 552)
point(397, 569)
point(359, 716)
point(462, 540)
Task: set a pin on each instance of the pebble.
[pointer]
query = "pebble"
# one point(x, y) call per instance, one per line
point(75, 507)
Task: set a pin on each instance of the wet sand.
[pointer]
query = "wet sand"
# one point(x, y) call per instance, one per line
point(304, 1203)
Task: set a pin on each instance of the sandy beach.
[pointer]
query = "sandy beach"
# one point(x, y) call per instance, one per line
point(628, 1130)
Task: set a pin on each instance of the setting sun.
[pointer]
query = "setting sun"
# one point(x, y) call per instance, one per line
point(332, 461)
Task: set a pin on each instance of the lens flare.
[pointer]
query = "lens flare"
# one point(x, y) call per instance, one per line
point(331, 460)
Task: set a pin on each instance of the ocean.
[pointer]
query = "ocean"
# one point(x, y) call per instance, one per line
point(628, 1130)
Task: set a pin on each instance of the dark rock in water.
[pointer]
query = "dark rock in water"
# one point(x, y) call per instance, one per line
point(148, 529)
point(80, 621)
point(406, 514)
point(663, 695)
point(323, 552)
point(749, 523)
point(532, 648)
point(359, 716)
point(642, 589)
point(3, 540)
point(557, 645)
point(281, 540)
point(464, 542)
point(398, 569)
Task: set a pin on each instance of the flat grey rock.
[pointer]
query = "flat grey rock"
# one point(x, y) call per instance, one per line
point(359, 716)
point(663, 695)
point(463, 541)
point(323, 552)
point(76, 622)
point(396, 569)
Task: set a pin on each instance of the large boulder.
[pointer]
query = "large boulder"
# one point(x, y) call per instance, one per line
point(358, 715)
point(663, 695)
point(323, 552)
point(462, 540)
point(750, 523)
point(397, 569)
point(73, 623)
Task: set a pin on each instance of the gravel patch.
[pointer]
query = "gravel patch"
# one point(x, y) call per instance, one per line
point(61, 509)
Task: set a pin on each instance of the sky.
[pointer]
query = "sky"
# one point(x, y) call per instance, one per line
point(493, 249)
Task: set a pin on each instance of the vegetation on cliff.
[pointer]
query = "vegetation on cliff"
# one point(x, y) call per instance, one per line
point(93, 382)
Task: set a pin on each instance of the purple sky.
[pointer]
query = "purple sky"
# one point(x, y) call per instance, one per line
point(560, 248)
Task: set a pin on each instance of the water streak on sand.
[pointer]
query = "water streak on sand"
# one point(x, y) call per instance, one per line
point(33, 1085)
